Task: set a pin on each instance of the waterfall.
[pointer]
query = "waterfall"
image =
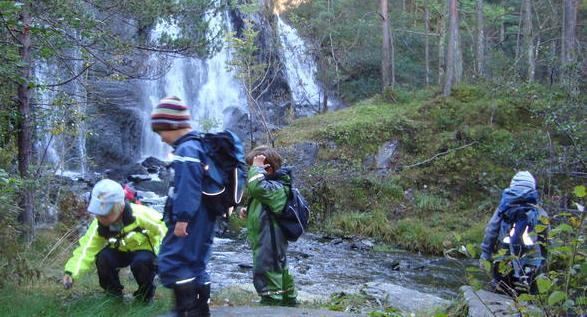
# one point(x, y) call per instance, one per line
point(300, 67)
point(60, 141)
point(205, 85)
point(46, 144)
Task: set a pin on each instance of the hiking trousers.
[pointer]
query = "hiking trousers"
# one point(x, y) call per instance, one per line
point(142, 265)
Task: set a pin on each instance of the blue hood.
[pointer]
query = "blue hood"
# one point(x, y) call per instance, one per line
point(517, 195)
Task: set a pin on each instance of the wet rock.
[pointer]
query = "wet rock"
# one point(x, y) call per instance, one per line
point(337, 241)
point(395, 265)
point(302, 156)
point(153, 165)
point(237, 121)
point(402, 298)
point(303, 269)
point(299, 254)
point(386, 155)
point(116, 129)
point(121, 173)
point(157, 187)
point(245, 266)
point(363, 245)
point(482, 303)
point(138, 178)
point(165, 175)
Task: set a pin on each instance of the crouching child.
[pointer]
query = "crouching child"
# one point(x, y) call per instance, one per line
point(121, 234)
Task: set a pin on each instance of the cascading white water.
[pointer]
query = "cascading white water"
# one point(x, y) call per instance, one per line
point(206, 85)
point(46, 144)
point(300, 67)
point(53, 107)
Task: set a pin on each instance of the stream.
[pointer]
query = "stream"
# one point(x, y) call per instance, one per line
point(322, 266)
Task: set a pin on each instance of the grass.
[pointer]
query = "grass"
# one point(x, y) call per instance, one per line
point(455, 155)
point(48, 298)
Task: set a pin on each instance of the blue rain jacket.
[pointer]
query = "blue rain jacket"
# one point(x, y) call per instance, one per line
point(183, 259)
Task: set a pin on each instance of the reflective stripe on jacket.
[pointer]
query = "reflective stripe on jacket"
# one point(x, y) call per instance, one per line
point(92, 242)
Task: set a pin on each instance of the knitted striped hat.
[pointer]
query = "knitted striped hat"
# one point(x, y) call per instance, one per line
point(170, 114)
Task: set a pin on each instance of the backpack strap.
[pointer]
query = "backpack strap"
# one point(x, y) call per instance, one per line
point(116, 239)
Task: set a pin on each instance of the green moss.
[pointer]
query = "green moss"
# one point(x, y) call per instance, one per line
point(455, 155)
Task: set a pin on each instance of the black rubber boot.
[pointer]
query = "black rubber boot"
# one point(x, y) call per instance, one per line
point(204, 300)
point(186, 304)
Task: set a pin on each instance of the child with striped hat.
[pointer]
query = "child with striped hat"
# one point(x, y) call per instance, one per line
point(186, 248)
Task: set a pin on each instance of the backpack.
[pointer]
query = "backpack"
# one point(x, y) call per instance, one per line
point(293, 220)
point(226, 150)
point(518, 235)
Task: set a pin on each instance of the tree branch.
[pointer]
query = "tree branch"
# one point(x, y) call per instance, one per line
point(72, 78)
point(440, 154)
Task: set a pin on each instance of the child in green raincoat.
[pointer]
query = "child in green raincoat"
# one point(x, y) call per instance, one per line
point(269, 186)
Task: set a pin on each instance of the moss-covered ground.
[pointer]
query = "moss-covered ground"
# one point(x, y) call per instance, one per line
point(455, 155)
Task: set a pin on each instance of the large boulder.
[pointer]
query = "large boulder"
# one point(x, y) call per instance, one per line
point(121, 173)
point(302, 156)
point(482, 303)
point(405, 299)
point(237, 121)
point(386, 155)
point(116, 126)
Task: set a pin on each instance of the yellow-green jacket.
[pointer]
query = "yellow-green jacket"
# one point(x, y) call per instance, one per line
point(142, 230)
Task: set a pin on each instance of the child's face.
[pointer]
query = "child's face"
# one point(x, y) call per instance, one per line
point(112, 216)
point(167, 137)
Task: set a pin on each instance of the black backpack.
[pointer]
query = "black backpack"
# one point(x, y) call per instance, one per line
point(226, 150)
point(293, 220)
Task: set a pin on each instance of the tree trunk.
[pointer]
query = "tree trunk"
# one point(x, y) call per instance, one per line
point(426, 42)
point(528, 39)
point(480, 40)
point(441, 44)
point(25, 126)
point(392, 45)
point(385, 48)
point(453, 56)
point(501, 31)
point(551, 63)
point(519, 34)
point(569, 68)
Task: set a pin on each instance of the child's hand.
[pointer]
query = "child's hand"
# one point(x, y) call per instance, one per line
point(67, 281)
point(242, 213)
point(181, 229)
point(259, 161)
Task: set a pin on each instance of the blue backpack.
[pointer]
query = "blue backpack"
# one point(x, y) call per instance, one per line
point(293, 220)
point(518, 236)
point(226, 150)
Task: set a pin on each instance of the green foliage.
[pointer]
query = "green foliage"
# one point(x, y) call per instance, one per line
point(13, 267)
point(457, 308)
point(207, 124)
point(388, 312)
point(456, 154)
point(561, 288)
point(349, 302)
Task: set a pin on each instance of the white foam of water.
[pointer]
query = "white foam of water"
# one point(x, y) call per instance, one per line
point(206, 85)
